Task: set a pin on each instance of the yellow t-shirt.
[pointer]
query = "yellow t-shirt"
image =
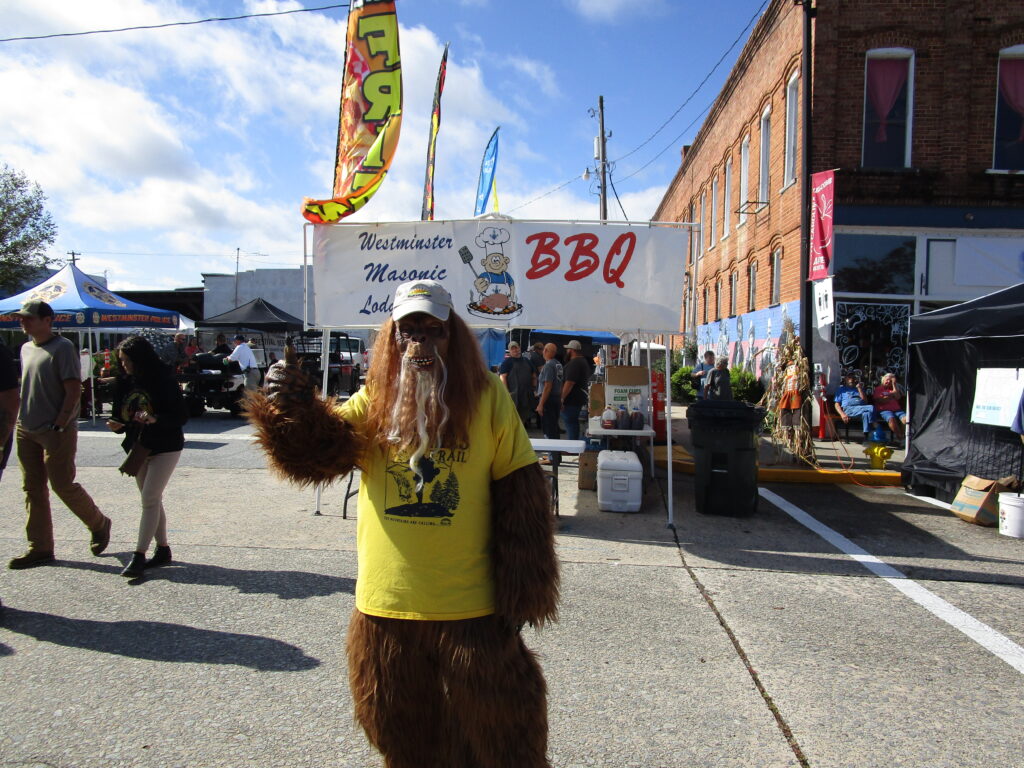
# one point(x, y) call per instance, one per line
point(424, 554)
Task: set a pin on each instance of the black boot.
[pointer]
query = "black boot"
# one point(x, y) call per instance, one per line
point(162, 556)
point(134, 569)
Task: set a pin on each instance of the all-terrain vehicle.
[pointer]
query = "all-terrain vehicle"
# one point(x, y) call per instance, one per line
point(208, 382)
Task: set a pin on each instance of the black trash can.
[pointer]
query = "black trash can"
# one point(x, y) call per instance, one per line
point(725, 455)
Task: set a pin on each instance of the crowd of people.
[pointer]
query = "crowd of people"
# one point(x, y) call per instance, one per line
point(550, 391)
point(39, 413)
point(883, 404)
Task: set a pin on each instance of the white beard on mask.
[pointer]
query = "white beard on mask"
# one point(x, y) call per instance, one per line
point(419, 394)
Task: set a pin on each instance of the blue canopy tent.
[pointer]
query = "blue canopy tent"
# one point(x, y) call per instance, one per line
point(492, 344)
point(79, 302)
point(592, 337)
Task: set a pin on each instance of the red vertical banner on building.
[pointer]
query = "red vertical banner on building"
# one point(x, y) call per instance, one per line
point(822, 205)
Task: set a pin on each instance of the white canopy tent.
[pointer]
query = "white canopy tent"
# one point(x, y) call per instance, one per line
point(505, 273)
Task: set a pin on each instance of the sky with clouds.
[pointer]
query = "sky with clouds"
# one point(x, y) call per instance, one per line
point(166, 153)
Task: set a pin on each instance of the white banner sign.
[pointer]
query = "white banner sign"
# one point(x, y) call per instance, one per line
point(997, 394)
point(505, 273)
point(823, 309)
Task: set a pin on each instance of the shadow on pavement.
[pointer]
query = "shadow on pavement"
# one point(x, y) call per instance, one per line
point(287, 585)
point(770, 540)
point(159, 641)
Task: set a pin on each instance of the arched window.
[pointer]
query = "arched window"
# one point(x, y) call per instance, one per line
point(744, 179)
point(792, 113)
point(752, 286)
point(776, 293)
point(714, 212)
point(766, 150)
point(726, 198)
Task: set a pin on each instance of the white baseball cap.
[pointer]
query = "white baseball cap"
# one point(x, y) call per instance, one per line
point(421, 296)
point(574, 345)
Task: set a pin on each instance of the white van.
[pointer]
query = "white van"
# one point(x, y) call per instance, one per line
point(639, 351)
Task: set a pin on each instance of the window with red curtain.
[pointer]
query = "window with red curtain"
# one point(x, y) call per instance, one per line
point(886, 109)
point(1009, 142)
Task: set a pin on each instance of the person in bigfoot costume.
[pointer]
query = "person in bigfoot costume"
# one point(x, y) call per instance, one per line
point(455, 539)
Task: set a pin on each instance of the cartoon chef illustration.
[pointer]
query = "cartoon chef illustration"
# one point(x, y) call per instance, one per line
point(495, 285)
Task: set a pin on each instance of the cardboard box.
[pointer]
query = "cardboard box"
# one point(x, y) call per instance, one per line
point(596, 398)
point(629, 375)
point(978, 501)
point(588, 471)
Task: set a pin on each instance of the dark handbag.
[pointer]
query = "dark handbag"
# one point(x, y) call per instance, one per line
point(136, 458)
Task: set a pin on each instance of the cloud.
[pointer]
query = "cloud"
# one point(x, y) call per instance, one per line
point(539, 72)
point(199, 140)
point(612, 10)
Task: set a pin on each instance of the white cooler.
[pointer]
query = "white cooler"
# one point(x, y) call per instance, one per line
point(619, 481)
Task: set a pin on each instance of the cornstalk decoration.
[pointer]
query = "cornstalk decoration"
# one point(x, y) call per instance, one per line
point(796, 440)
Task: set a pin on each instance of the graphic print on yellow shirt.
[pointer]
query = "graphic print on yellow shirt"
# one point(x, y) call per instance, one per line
point(433, 493)
point(424, 549)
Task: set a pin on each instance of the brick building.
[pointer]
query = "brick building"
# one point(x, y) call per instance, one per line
point(919, 106)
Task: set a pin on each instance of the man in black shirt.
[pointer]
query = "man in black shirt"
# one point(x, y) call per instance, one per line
point(574, 389)
point(519, 376)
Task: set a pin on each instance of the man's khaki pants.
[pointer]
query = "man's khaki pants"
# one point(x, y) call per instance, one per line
point(48, 456)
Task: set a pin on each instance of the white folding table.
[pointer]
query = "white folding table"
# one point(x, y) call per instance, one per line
point(556, 448)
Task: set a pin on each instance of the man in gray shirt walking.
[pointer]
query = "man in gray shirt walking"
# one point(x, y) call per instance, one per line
point(47, 438)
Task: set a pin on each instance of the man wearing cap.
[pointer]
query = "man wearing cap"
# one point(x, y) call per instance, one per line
point(454, 538)
point(518, 375)
point(242, 354)
point(575, 382)
point(549, 394)
point(47, 436)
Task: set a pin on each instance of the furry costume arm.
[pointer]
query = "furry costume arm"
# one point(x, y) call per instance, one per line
point(525, 568)
point(305, 438)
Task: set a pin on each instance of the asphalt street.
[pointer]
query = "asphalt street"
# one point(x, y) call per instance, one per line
point(739, 642)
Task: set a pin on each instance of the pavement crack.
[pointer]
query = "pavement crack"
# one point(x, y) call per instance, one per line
point(769, 702)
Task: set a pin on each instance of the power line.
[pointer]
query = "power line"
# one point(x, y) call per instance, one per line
point(173, 24)
point(646, 141)
point(541, 197)
point(671, 143)
point(707, 77)
point(616, 193)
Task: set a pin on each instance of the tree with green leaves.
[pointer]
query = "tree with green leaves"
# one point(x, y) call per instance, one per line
point(26, 229)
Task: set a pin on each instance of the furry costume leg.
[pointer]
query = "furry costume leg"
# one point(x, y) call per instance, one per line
point(450, 694)
point(397, 690)
point(497, 697)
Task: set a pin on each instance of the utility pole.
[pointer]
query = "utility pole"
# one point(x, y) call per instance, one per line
point(238, 252)
point(600, 156)
point(807, 314)
point(74, 255)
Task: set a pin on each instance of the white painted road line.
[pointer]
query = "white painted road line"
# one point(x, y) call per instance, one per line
point(930, 500)
point(989, 639)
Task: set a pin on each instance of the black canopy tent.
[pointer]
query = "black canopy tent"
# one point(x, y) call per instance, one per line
point(256, 315)
point(947, 347)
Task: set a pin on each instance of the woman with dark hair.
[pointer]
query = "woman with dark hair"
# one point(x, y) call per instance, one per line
point(150, 411)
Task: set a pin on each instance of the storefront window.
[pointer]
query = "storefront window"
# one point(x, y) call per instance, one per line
point(872, 338)
point(874, 264)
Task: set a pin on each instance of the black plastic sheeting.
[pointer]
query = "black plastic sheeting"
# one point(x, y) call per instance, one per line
point(946, 349)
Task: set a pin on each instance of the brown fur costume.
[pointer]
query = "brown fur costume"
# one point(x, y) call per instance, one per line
point(436, 694)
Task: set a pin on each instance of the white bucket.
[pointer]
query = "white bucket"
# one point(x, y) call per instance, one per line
point(1011, 515)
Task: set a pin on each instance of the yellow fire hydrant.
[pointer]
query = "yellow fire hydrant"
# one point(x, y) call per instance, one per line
point(878, 454)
